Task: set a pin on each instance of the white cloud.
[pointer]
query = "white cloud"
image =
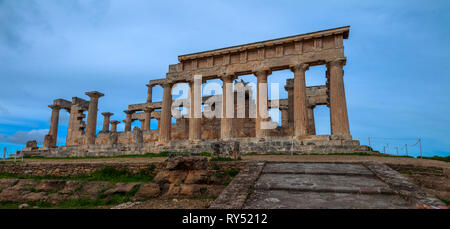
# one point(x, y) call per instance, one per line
point(21, 137)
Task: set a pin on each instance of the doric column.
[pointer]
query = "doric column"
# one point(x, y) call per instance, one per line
point(128, 120)
point(226, 121)
point(148, 118)
point(338, 105)
point(195, 111)
point(311, 122)
point(262, 111)
point(106, 121)
point(149, 93)
point(53, 132)
point(114, 126)
point(300, 101)
point(290, 90)
point(284, 117)
point(91, 125)
point(166, 114)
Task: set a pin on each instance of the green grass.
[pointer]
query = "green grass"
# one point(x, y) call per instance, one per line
point(447, 202)
point(102, 200)
point(224, 159)
point(106, 174)
point(438, 158)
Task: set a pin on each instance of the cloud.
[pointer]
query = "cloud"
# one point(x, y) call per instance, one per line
point(21, 137)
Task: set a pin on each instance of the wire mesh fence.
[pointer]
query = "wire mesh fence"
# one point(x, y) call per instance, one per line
point(397, 146)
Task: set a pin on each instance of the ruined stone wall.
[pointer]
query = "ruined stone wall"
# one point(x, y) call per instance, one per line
point(77, 169)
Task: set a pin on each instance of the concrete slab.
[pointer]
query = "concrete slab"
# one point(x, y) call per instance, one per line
point(317, 168)
point(322, 183)
point(282, 199)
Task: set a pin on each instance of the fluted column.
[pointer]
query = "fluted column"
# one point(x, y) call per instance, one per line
point(147, 119)
point(290, 90)
point(195, 111)
point(91, 125)
point(128, 120)
point(226, 121)
point(149, 93)
point(54, 120)
point(166, 114)
point(311, 121)
point(300, 102)
point(262, 112)
point(284, 117)
point(106, 121)
point(114, 126)
point(338, 105)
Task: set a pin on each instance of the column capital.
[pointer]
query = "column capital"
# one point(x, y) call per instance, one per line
point(338, 62)
point(128, 112)
point(94, 94)
point(228, 78)
point(167, 84)
point(115, 122)
point(55, 107)
point(299, 67)
point(262, 72)
point(148, 110)
point(107, 114)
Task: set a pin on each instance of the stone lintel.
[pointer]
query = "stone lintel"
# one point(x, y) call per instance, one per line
point(84, 104)
point(63, 104)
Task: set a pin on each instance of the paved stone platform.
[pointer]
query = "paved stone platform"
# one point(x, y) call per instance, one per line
point(322, 185)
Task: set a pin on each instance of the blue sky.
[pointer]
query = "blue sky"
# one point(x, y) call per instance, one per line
point(397, 74)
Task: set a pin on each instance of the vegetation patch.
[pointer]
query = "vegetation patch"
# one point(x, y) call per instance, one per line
point(150, 155)
point(224, 159)
point(438, 158)
point(106, 174)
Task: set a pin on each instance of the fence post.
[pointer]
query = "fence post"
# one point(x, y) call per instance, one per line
point(406, 148)
point(4, 153)
point(420, 145)
point(369, 142)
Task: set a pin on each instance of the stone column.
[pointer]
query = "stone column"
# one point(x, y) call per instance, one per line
point(106, 121)
point(195, 111)
point(262, 112)
point(166, 114)
point(338, 106)
point(311, 122)
point(114, 126)
point(290, 90)
point(300, 101)
point(91, 125)
point(284, 117)
point(128, 120)
point(54, 123)
point(226, 121)
point(149, 93)
point(148, 118)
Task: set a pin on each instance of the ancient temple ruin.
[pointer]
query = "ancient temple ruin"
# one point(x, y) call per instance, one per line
point(295, 135)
